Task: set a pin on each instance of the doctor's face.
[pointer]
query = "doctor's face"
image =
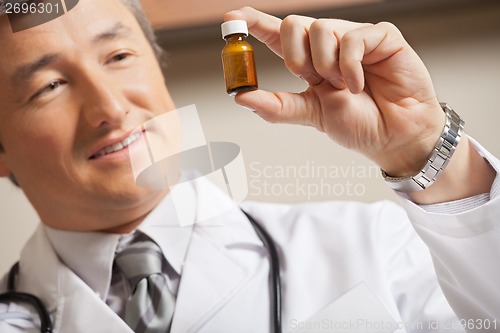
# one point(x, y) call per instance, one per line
point(72, 90)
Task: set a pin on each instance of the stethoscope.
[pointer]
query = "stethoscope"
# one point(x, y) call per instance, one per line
point(46, 323)
point(14, 296)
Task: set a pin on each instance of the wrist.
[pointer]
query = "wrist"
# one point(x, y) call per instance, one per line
point(415, 148)
point(437, 161)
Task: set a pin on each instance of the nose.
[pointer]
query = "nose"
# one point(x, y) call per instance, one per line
point(105, 104)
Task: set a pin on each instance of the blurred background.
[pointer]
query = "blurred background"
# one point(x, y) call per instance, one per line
point(459, 40)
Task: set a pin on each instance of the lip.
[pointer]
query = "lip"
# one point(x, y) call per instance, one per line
point(110, 141)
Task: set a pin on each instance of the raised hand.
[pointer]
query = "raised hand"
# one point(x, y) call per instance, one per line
point(368, 89)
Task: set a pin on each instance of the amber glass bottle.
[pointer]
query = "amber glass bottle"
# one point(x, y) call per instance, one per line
point(237, 58)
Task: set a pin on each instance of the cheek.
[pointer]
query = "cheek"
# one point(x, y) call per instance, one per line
point(43, 151)
point(39, 144)
point(149, 91)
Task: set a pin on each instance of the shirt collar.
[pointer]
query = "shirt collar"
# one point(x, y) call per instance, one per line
point(89, 254)
point(163, 226)
point(75, 248)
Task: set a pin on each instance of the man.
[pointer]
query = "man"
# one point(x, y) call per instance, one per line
point(69, 95)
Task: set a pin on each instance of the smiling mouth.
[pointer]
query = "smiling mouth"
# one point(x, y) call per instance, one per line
point(117, 146)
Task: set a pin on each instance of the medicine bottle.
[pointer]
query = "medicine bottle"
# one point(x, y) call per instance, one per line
point(237, 58)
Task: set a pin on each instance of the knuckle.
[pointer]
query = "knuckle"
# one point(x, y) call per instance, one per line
point(290, 22)
point(350, 36)
point(319, 25)
point(247, 9)
point(388, 26)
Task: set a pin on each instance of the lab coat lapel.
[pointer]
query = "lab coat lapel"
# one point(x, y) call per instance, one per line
point(211, 274)
point(81, 308)
point(210, 278)
point(74, 307)
point(39, 270)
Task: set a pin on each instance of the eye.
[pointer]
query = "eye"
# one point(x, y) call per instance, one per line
point(54, 85)
point(119, 57)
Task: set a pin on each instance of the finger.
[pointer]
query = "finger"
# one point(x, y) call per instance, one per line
point(296, 48)
point(325, 36)
point(264, 27)
point(281, 107)
point(366, 46)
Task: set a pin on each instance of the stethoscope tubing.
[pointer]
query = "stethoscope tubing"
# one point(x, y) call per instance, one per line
point(274, 270)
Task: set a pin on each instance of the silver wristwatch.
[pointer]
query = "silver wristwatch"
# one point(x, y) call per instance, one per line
point(444, 149)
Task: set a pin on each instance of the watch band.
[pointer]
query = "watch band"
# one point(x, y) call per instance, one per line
point(437, 161)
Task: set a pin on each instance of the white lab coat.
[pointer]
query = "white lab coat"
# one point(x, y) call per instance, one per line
point(326, 250)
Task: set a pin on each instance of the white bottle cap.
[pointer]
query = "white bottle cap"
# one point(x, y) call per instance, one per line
point(234, 27)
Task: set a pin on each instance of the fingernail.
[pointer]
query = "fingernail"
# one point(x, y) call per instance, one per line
point(302, 78)
point(352, 86)
point(248, 108)
point(316, 79)
point(312, 78)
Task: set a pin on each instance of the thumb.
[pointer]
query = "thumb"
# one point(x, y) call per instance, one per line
point(279, 107)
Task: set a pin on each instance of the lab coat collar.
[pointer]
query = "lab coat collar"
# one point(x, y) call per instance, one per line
point(74, 307)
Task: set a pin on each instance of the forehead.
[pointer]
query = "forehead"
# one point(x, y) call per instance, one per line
point(77, 27)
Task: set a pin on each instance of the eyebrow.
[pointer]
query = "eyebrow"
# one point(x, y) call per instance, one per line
point(25, 72)
point(118, 31)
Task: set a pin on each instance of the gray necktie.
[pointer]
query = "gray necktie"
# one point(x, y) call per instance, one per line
point(151, 305)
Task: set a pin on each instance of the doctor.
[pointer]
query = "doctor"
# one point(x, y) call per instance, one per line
point(73, 88)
